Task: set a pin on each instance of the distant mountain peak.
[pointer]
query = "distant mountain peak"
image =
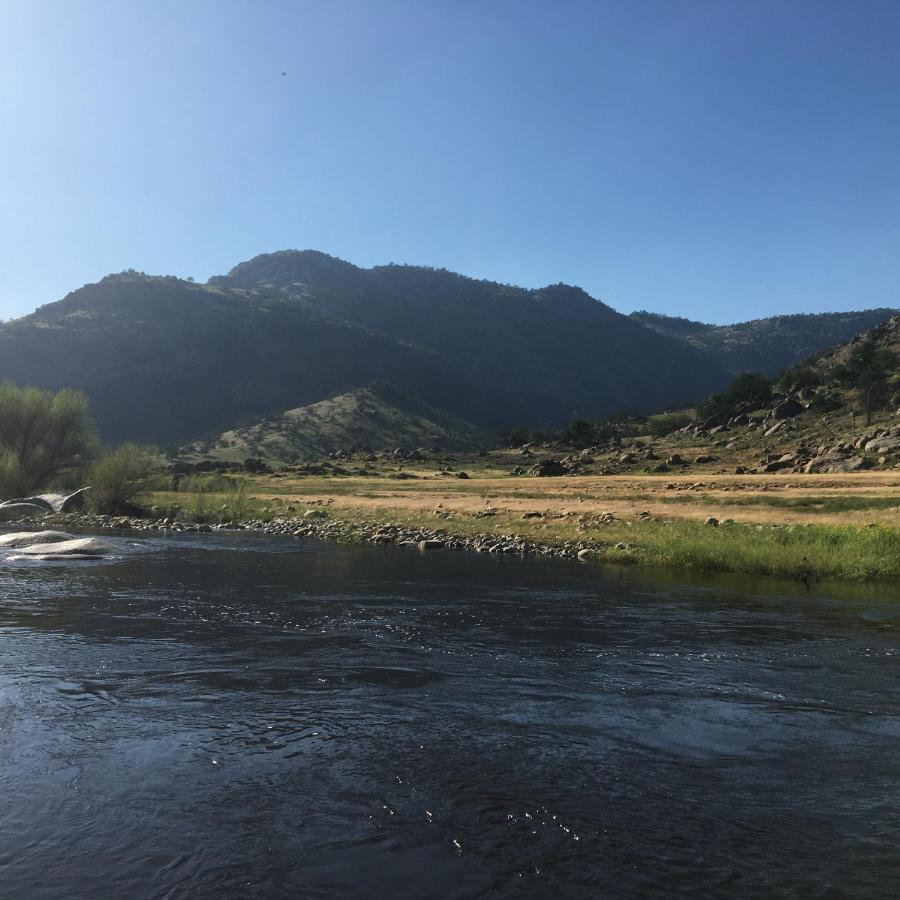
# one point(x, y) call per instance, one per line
point(284, 267)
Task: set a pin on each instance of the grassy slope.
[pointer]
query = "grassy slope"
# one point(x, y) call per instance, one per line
point(373, 416)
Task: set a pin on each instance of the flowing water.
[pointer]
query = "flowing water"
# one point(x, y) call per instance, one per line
point(242, 716)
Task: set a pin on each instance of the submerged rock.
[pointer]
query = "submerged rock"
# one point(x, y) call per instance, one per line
point(45, 557)
point(431, 544)
point(74, 547)
point(31, 538)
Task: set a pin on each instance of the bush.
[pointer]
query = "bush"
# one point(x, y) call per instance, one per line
point(13, 480)
point(800, 377)
point(206, 483)
point(43, 436)
point(823, 403)
point(578, 433)
point(513, 437)
point(218, 498)
point(660, 426)
point(751, 386)
point(716, 410)
point(122, 478)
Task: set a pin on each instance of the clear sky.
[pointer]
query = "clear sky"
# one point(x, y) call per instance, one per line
point(719, 160)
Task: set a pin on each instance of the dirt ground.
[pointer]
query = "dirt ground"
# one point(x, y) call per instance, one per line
point(858, 498)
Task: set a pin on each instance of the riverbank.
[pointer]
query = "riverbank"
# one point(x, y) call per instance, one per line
point(807, 553)
point(842, 526)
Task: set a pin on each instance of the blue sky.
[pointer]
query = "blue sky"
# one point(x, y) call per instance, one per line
point(719, 160)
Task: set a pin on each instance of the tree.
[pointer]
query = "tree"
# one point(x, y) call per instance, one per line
point(513, 437)
point(868, 369)
point(800, 376)
point(873, 387)
point(120, 479)
point(43, 436)
point(579, 433)
point(751, 386)
point(716, 410)
point(660, 426)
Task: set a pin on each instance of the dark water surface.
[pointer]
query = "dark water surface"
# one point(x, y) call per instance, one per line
point(219, 717)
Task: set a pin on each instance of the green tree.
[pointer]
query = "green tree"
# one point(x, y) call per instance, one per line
point(660, 426)
point(716, 410)
point(579, 432)
point(751, 386)
point(799, 376)
point(513, 437)
point(120, 480)
point(868, 369)
point(43, 436)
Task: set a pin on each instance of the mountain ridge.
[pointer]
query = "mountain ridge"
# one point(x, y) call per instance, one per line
point(170, 361)
point(768, 344)
point(167, 360)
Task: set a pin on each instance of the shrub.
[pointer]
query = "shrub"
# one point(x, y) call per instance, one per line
point(578, 433)
point(751, 386)
point(716, 410)
point(120, 480)
point(43, 435)
point(513, 437)
point(13, 480)
point(799, 376)
point(660, 426)
point(214, 498)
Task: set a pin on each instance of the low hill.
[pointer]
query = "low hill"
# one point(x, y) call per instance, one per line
point(767, 345)
point(167, 361)
point(377, 417)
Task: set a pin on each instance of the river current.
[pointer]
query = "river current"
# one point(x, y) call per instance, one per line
point(238, 716)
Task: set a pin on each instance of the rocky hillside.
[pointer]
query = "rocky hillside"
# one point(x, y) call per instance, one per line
point(165, 360)
point(767, 345)
point(839, 413)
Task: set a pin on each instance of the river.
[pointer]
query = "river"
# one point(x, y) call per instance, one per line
point(237, 716)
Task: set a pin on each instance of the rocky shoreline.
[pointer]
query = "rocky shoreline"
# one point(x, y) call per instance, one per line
point(332, 530)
